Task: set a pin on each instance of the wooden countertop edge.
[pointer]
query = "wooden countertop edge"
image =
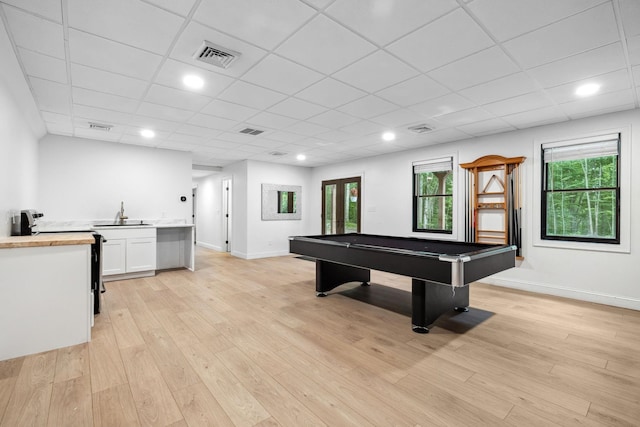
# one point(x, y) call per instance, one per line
point(54, 239)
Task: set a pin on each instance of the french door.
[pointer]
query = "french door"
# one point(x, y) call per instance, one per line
point(341, 206)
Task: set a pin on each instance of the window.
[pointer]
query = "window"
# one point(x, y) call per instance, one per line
point(581, 190)
point(433, 196)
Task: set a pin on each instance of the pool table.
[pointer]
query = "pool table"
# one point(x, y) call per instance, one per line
point(440, 270)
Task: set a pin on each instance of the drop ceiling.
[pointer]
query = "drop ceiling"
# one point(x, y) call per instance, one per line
point(324, 78)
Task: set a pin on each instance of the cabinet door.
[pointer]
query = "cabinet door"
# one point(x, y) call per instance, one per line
point(114, 257)
point(141, 254)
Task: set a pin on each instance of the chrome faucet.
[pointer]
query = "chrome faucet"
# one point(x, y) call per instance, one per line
point(121, 215)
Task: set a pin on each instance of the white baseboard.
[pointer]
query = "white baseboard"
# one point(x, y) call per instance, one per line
point(613, 300)
point(209, 246)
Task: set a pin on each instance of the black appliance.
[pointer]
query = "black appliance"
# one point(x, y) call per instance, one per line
point(24, 223)
point(97, 285)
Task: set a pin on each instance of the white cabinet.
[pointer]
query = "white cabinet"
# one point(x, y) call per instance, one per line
point(114, 257)
point(141, 254)
point(128, 251)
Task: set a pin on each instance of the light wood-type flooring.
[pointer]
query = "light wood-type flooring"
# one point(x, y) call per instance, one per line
point(247, 343)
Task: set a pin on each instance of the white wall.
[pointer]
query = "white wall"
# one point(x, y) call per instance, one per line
point(270, 238)
point(87, 179)
point(20, 129)
point(606, 277)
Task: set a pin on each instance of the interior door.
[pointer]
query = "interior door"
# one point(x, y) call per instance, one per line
point(341, 205)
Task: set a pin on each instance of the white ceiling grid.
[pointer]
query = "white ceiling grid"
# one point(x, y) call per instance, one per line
point(321, 77)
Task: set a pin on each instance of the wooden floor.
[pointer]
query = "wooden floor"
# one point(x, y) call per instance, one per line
point(247, 343)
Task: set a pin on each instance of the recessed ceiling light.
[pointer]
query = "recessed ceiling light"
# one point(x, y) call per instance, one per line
point(301, 157)
point(192, 81)
point(388, 136)
point(147, 133)
point(587, 89)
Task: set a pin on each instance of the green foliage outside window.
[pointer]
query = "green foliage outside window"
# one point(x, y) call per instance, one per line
point(582, 199)
point(434, 201)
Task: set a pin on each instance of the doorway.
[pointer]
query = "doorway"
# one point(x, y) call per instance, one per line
point(341, 205)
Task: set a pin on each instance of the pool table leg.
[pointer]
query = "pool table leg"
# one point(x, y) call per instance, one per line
point(430, 300)
point(330, 275)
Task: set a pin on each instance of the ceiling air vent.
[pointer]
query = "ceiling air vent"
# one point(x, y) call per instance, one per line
point(100, 126)
point(420, 128)
point(250, 131)
point(215, 55)
point(277, 153)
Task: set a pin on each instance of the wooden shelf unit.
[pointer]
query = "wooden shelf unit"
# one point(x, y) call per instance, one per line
point(493, 205)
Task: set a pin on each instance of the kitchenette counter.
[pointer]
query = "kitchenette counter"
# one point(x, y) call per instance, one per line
point(53, 239)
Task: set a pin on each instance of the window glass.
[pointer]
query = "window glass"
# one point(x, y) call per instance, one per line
point(433, 196)
point(581, 192)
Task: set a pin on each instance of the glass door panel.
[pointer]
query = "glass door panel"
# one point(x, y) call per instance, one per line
point(341, 206)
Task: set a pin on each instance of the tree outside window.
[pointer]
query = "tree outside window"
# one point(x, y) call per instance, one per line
point(581, 192)
point(433, 196)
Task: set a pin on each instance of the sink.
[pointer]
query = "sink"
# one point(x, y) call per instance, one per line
point(120, 224)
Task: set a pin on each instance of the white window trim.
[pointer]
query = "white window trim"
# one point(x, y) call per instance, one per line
point(456, 199)
point(625, 194)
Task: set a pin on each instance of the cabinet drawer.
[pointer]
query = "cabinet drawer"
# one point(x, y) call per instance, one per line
point(127, 233)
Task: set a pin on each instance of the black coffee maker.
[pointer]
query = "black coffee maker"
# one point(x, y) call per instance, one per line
point(23, 224)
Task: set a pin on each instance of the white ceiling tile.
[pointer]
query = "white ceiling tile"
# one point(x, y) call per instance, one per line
point(486, 127)
point(444, 105)
point(630, 13)
point(107, 55)
point(376, 71)
point(588, 30)
point(536, 117)
point(367, 107)
point(182, 99)
point(383, 21)
point(134, 23)
point(164, 112)
point(460, 118)
point(50, 9)
point(271, 121)
point(34, 33)
point(229, 110)
point(297, 108)
point(333, 136)
point(399, 117)
point(59, 128)
point(307, 129)
point(333, 119)
point(451, 37)
point(330, 93)
point(43, 66)
point(85, 113)
point(182, 7)
point(265, 24)
point(280, 74)
point(104, 81)
point(364, 127)
point(412, 91)
point(195, 34)
point(196, 131)
point(212, 122)
point(189, 139)
point(502, 88)
point(636, 74)
point(325, 46)
point(96, 134)
point(145, 122)
point(577, 67)
point(138, 140)
point(633, 47)
point(172, 72)
point(610, 82)
point(56, 118)
point(103, 100)
point(506, 19)
point(281, 136)
point(517, 104)
point(251, 95)
point(487, 65)
point(608, 102)
point(51, 96)
point(268, 144)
